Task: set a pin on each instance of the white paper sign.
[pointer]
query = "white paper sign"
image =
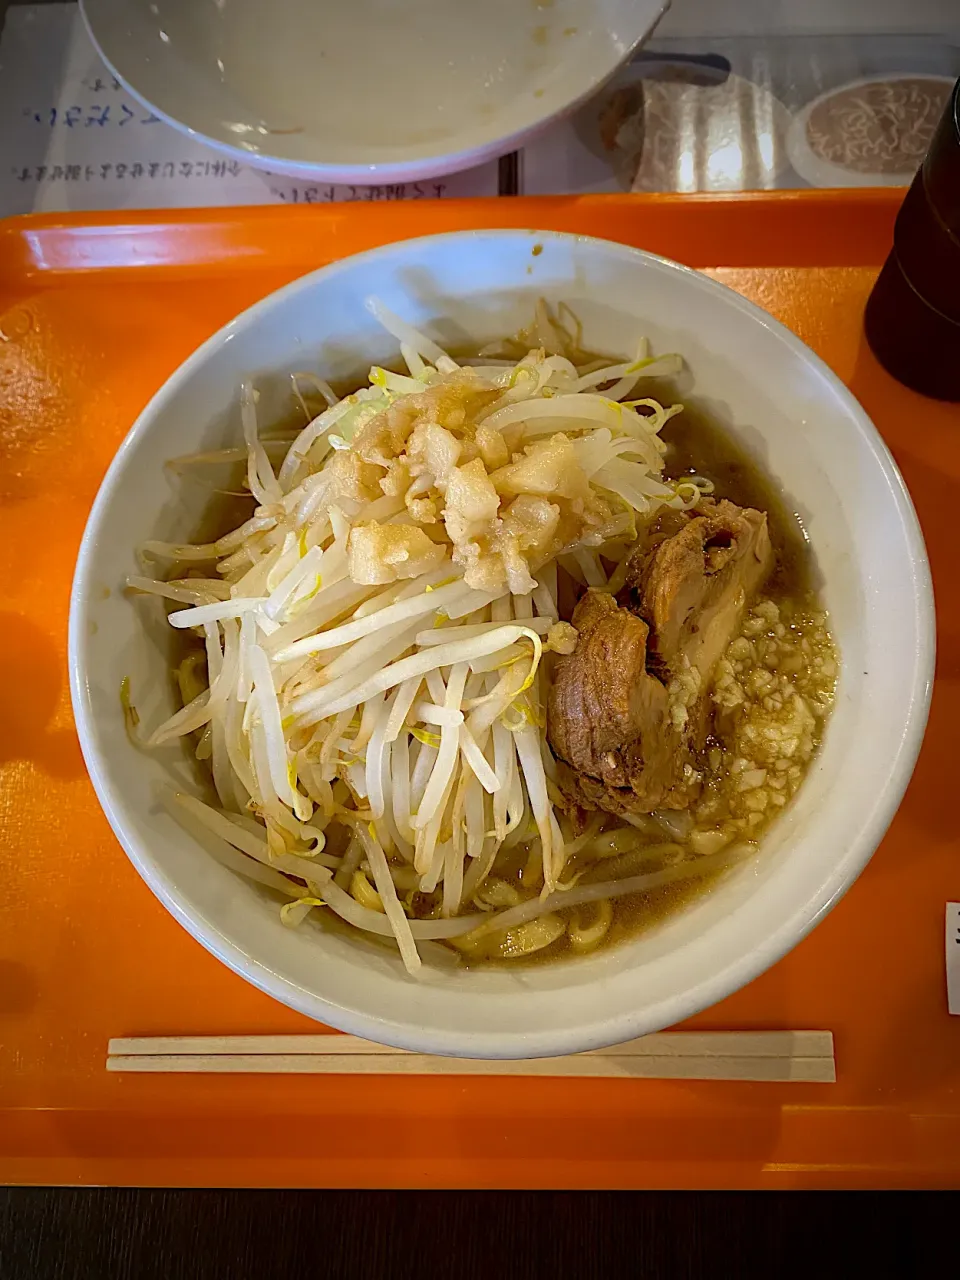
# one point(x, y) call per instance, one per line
point(953, 957)
point(71, 138)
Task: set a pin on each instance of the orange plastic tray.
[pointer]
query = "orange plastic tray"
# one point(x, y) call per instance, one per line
point(94, 313)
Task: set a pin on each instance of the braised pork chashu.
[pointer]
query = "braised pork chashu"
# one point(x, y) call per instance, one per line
point(630, 708)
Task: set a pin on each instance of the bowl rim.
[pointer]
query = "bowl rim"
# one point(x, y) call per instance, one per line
point(424, 166)
point(610, 1028)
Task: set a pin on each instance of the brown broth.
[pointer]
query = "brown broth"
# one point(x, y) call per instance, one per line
point(698, 445)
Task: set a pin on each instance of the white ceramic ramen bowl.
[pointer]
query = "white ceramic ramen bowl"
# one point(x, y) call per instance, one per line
point(776, 396)
point(370, 90)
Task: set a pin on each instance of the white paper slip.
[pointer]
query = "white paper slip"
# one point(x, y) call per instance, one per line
point(71, 138)
point(953, 957)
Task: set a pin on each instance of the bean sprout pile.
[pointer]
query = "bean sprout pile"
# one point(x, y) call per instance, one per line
point(369, 695)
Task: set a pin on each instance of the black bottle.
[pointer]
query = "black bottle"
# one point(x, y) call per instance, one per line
point(912, 318)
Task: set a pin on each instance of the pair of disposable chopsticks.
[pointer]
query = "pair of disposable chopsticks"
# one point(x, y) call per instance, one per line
point(685, 1055)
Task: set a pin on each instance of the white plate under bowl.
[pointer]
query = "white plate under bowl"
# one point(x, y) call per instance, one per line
point(771, 391)
point(365, 90)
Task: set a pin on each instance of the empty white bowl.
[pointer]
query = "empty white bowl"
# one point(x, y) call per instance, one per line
point(777, 397)
point(365, 90)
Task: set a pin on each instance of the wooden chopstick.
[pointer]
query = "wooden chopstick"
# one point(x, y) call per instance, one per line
point(713, 1055)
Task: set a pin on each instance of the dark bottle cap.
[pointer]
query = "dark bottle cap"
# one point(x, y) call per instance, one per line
point(941, 168)
point(912, 320)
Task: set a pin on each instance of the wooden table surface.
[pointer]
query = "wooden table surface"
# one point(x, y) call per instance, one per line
point(73, 1234)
